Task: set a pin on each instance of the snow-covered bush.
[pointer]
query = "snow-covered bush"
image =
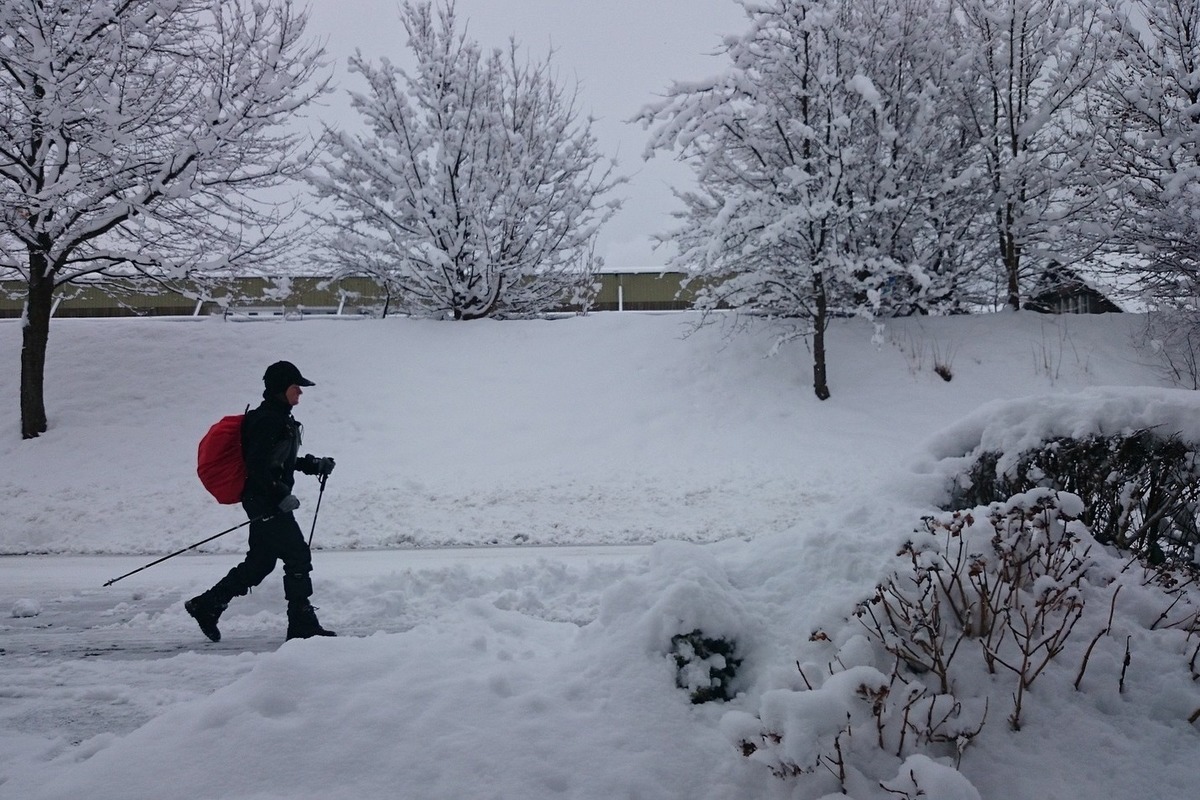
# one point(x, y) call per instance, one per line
point(998, 587)
point(852, 728)
point(704, 665)
point(685, 611)
point(984, 607)
point(1141, 489)
point(1008, 578)
point(25, 607)
point(1130, 454)
point(920, 776)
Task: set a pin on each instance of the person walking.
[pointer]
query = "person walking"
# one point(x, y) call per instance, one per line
point(271, 440)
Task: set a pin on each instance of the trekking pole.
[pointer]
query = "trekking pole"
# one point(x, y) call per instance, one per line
point(190, 547)
point(318, 509)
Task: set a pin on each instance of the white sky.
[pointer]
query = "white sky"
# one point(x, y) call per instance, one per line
point(622, 53)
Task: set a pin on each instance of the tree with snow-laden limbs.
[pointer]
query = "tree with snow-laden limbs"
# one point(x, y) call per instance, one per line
point(479, 189)
point(1152, 132)
point(1151, 129)
point(136, 139)
point(1027, 69)
point(823, 161)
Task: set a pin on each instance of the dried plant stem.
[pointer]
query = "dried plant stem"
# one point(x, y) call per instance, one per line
point(1124, 667)
point(1112, 608)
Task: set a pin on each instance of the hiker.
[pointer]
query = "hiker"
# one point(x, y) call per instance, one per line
point(270, 443)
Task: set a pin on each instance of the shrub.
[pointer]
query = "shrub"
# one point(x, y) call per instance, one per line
point(704, 666)
point(999, 590)
point(1141, 490)
point(1000, 585)
point(1017, 595)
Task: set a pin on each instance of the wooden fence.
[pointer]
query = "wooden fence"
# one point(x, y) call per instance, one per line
point(306, 295)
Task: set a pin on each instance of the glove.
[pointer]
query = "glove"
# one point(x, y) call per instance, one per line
point(289, 504)
point(311, 465)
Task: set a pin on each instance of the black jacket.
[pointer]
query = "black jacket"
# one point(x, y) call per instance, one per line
point(270, 441)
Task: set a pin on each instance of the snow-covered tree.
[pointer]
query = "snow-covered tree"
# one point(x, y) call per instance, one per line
point(1150, 119)
point(1151, 128)
point(1027, 67)
point(134, 135)
point(818, 165)
point(920, 173)
point(479, 188)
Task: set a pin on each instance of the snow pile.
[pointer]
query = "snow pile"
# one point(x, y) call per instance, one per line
point(25, 607)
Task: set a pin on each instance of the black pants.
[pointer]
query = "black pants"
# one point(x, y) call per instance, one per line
point(277, 538)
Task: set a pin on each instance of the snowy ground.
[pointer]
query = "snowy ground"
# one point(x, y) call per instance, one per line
point(488, 537)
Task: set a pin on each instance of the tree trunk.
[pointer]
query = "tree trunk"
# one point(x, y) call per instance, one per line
point(1010, 253)
point(35, 336)
point(481, 307)
point(820, 384)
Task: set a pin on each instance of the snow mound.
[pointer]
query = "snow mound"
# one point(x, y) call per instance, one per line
point(24, 608)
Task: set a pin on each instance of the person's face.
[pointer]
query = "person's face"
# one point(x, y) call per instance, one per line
point(292, 394)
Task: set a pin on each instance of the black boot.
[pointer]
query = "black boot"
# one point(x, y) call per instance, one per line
point(206, 612)
point(303, 624)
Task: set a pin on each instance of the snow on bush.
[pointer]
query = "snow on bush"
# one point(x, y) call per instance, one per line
point(1133, 459)
point(1140, 489)
point(990, 602)
point(704, 665)
point(1007, 576)
point(984, 607)
point(25, 608)
point(1010, 428)
point(921, 776)
point(684, 608)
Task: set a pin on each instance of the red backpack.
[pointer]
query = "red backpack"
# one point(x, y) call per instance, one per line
point(219, 461)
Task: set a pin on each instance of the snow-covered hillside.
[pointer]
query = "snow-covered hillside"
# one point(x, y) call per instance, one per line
point(604, 429)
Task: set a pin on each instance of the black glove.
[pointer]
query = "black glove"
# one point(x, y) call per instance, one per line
point(311, 465)
point(289, 504)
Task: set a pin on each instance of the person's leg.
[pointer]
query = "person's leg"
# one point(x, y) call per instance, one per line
point(260, 560)
point(297, 583)
point(293, 550)
point(261, 555)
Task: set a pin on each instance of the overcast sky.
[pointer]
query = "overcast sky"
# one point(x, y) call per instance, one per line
point(622, 53)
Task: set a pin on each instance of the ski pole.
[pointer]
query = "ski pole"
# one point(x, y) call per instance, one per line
point(190, 547)
point(316, 511)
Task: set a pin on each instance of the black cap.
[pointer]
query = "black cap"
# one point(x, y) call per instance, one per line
point(282, 374)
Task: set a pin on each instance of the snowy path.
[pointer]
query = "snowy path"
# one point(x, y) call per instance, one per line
point(62, 628)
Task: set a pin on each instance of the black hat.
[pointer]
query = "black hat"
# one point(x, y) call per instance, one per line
point(282, 374)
